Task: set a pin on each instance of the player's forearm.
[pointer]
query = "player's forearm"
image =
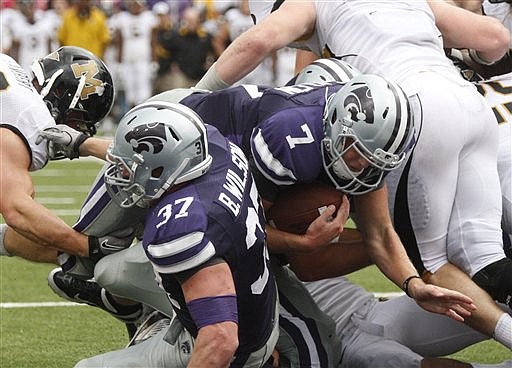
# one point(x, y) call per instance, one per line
point(96, 147)
point(384, 245)
point(283, 242)
point(40, 225)
point(486, 35)
point(215, 345)
point(18, 245)
point(241, 57)
point(389, 255)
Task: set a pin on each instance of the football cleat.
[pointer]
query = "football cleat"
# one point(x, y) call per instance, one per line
point(78, 267)
point(155, 323)
point(91, 293)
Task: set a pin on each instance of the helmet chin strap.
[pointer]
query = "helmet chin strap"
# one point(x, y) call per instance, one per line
point(78, 92)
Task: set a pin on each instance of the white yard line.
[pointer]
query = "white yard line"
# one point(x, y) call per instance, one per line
point(63, 188)
point(56, 200)
point(71, 304)
point(65, 172)
point(39, 304)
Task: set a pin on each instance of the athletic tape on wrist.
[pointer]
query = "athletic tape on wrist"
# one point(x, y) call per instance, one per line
point(212, 81)
point(473, 54)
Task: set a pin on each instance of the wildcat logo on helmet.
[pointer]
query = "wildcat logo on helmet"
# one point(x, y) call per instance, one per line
point(359, 103)
point(148, 137)
point(92, 85)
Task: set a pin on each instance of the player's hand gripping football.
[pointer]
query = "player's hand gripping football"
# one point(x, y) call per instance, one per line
point(327, 228)
point(62, 141)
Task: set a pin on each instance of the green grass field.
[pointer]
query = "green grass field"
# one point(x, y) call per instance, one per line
point(59, 336)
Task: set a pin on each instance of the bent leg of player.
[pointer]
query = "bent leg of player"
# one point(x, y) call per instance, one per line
point(307, 337)
point(428, 334)
point(475, 237)
point(129, 274)
point(362, 341)
point(171, 347)
point(453, 196)
point(446, 209)
point(13, 244)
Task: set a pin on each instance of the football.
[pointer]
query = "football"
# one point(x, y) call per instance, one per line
point(296, 207)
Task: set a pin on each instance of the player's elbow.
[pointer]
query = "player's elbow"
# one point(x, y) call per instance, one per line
point(498, 41)
point(261, 41)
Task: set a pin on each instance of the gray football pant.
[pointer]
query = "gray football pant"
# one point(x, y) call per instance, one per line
point(307, 335)
point(171, 347)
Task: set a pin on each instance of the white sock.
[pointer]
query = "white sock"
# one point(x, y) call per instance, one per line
point(503, 330)
point(505, 364)
point(3, 251)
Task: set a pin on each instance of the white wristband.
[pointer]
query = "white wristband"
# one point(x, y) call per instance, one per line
point(211, 80)
point(473, 54)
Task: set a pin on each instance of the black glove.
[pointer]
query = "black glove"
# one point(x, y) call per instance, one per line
point(63, 141)
point(112, 243)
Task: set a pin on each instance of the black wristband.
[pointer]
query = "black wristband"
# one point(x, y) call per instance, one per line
point(76, 148)
point(405, 284)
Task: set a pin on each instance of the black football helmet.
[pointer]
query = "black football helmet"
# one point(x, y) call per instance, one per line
point(76, 86)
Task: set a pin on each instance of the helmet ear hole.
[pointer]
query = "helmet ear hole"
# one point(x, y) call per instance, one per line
point(334, 116)
point(157, 172)
point(385, 113)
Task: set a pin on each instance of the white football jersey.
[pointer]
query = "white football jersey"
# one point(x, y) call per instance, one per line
point(347, 28)
point(7, 18)
point(136, 34)
point(34, 39)
point(23, 110)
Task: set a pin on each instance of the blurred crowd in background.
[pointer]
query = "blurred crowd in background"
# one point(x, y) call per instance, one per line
point(149, 45)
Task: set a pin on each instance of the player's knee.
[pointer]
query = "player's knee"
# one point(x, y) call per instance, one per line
point(108, 273)
point(496, 279)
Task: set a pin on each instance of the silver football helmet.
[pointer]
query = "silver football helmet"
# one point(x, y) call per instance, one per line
point(371, 115)
point(157, 145)
point(326, 70)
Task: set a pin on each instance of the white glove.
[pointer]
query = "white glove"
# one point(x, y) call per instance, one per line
point(62, 141)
